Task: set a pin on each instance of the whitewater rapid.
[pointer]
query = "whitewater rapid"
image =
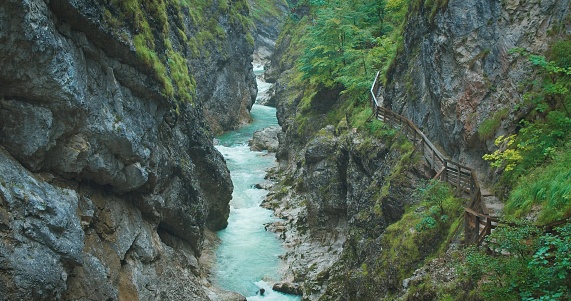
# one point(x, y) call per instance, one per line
point(248, 256)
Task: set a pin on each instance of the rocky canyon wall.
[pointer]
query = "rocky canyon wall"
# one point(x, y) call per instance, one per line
point(268, 20)
point(455, 70)
point(108, 180)
point(341, 189)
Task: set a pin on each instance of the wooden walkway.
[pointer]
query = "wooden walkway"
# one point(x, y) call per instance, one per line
point(478, 221)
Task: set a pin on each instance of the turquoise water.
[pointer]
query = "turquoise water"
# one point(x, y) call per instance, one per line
point(247, 259)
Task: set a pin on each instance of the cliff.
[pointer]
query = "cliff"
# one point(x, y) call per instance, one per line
point(350, 193)
point(268, 18)
point(455, 71)
point(108, 175)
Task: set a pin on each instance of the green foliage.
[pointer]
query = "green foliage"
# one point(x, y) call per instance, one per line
point(560, 52)
point(405, 246)
point(551, 91)
point(142, 14)
point(359, 119)
point(426, 223)
point(336, 49)
point(436, 194)
point(378, 129)
point(265, 9)
point(152, 21)
point(489, 126)
point(179, 74)
point(505, 156)
point(348, 41)
point(534, 265)
point(546, 126)
point(548, 187)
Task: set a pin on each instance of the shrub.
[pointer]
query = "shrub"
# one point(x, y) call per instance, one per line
point(534, 265)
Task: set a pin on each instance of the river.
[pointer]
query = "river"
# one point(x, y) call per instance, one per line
point(248, 256)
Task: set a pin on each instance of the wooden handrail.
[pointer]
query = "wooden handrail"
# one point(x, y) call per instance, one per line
point(481, 215)
point(374, 88)
point(463, 178)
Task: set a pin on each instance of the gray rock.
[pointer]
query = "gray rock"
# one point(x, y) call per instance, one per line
point(288, 288)
point(27, 131)
point(267, 185)
point(106, 183)
point(267, 28)
point(266, 139)
point(455, 71)
point(43, 236)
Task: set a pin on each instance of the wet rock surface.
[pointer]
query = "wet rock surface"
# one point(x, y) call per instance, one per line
point(106, 184)
point(288, 288)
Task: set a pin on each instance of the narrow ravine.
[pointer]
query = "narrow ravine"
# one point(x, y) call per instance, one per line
point(248, 256)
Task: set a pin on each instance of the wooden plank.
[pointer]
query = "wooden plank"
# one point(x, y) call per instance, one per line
point(472, 212)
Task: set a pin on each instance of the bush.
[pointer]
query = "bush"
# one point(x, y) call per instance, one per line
point(533, 265)
point(548, 187)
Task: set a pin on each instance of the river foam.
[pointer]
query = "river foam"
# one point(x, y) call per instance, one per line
point(248, 256)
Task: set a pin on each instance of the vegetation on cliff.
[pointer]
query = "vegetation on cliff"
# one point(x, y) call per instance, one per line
point(536, 182)
point(346, 42)
point(335, 50)
point(339, 46)
point(165, 44)
point(266, 9)
point(533, 160)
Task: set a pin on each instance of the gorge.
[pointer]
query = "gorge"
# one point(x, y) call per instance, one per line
point(113, 187)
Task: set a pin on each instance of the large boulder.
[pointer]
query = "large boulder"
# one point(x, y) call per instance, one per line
point(266, 139)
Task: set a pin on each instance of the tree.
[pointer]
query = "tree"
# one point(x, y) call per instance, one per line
point(348, 41)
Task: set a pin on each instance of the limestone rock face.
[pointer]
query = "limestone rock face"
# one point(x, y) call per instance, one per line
point(455, 70)
point(334, 214)
point(107, 184)
point(41, 233)
point(268, 22)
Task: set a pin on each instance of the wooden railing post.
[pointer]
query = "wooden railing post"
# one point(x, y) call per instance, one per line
point(458, 181)
point(477, 230)
point(446, 171)
point(466, 227)
point(433, 161)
